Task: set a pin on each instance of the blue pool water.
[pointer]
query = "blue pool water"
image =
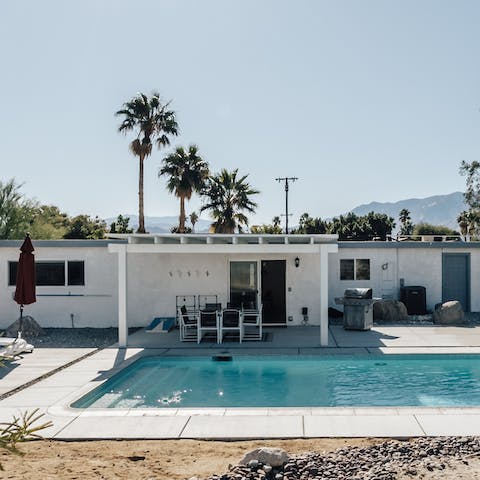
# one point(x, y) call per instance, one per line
point(281, 381)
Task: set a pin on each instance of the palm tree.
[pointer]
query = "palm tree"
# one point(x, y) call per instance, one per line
point(405, 220)
point(151, 120)
point(187, 172)
point(228, 195)
point(193, 220)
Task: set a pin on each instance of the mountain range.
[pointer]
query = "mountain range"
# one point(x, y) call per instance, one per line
point(438, 210)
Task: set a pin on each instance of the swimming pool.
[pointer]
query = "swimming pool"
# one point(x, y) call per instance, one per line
point(292, 381)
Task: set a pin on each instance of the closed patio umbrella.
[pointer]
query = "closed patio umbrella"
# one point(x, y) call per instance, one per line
point(25, 286)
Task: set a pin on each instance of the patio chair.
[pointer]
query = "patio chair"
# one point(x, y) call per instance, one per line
point(252, 323)
point(230, 321)
point(207, 323)
point(188, 323)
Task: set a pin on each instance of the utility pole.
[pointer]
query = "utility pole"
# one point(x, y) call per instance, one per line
point(286, 180)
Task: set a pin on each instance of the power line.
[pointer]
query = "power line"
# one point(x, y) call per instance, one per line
point(286, 180)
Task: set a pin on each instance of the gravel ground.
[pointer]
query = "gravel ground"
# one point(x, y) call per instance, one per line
point(76, 337)
point(471, 318)
point(389, 460)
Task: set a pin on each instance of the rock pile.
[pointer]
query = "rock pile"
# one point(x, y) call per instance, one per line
point(28, 325)
point(377, 462)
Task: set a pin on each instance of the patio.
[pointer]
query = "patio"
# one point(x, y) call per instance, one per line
point(305, 339)
point(54, 394)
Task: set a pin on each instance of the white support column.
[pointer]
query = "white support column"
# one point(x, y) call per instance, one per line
point(323, 295)
point(122, 296)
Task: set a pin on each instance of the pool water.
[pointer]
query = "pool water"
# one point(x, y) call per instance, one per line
point(281, 381)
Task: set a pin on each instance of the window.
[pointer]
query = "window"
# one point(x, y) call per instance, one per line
point(12, 273)
point(362, 272)
point(358, 269)
point(347, 269)
point(52, 273)
point(76, 273)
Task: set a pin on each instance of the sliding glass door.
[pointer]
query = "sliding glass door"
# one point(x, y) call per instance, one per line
point(243, 284)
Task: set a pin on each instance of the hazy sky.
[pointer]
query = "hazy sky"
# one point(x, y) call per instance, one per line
point(362, 100)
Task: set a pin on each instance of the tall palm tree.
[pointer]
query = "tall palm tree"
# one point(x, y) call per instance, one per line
point(151, 120)
point(187, 172)
point(228, 195)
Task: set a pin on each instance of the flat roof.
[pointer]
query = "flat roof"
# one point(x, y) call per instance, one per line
point(409, 244)
point(61, 243)
point(224, 239)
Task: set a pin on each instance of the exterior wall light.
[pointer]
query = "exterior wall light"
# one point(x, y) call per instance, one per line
point(297, 262)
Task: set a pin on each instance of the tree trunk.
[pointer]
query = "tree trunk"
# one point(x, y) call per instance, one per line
point(181, 219)
point(141, 214)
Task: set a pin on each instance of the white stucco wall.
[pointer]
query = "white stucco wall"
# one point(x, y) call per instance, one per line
point(421, 265)
point(154, 281)
point(96, 308)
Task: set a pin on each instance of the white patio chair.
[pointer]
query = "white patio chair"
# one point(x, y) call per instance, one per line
point(231, 321)
point(252, 323)
point(188, 324)
point(207, 323)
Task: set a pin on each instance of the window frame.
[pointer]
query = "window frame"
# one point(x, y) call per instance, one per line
point(357, 269)
point(66, 272)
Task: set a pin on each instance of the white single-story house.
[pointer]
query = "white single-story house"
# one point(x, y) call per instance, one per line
point(128, 281)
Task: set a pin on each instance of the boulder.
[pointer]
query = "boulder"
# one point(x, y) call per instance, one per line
point(29, 327)
point(275, 457)
point(449, 313)
point(389, 311)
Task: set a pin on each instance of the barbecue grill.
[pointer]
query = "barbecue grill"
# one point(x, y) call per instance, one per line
point(357, 308)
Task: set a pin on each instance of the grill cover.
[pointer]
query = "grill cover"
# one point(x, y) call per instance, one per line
point(359, 293)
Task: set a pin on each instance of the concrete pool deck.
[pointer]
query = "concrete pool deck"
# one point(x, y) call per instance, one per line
point(53, 395)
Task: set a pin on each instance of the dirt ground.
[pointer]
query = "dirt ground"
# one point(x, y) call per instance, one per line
point(166, 459)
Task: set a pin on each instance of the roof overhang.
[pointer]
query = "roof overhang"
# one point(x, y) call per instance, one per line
point(225, 243)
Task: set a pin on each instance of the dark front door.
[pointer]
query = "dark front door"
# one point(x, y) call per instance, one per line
point(273, 292)
point(456, 278)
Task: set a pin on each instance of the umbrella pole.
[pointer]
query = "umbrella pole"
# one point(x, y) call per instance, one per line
point(20, 327)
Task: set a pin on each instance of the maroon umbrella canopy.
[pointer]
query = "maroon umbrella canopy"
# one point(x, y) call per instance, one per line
point(25, 289)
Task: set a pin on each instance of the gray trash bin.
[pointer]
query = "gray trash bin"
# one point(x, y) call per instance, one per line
point(357, 308)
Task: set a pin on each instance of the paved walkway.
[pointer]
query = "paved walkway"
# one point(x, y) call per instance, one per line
point(30, 366)
point(53, 395)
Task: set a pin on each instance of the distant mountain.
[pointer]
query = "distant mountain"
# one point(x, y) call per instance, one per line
point(438, 210)
point(162, 224)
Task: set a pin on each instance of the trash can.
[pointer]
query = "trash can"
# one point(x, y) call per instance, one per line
point(357, 308)
point(415, 299)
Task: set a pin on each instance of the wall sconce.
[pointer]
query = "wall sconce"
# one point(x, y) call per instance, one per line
point(297, 262)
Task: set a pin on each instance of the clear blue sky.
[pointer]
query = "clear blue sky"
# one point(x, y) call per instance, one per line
point(362, 100)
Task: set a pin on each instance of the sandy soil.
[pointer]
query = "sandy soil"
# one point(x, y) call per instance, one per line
point(165, 459)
